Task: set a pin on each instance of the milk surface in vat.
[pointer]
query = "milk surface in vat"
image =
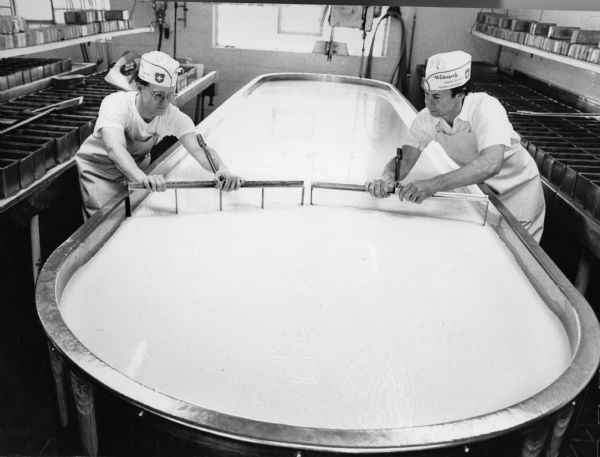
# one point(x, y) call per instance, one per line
point(318, 316)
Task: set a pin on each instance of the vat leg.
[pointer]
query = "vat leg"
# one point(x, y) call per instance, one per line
point(560, 427)
point(56, 364)
point(534, 440)
point(86, 415)
point(584, 268)
point(199, 105)
point(36, 256)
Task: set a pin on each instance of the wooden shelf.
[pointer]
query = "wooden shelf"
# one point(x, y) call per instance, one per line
point(63, 44)
point(539, 52)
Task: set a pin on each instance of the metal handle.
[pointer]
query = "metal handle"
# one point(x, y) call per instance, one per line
point(461, 196)
point(546, 114)
point(212, 184)
point(359, 188)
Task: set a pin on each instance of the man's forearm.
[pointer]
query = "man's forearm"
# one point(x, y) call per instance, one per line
point(125, 164)
point(473, 173)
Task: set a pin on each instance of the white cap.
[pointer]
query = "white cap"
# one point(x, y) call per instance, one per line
point(159, 68)
point(447, 70)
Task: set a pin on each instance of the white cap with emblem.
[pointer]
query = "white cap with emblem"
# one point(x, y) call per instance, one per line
point(159, 68)
point(447, 70)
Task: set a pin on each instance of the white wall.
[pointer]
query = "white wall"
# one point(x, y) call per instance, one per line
point(437, 30)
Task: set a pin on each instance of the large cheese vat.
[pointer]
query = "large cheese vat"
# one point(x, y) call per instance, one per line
point(289, 340)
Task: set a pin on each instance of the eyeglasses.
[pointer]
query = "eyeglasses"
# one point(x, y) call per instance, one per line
point(159, 96)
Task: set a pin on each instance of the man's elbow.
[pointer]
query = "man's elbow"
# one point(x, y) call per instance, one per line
point(111, 152)
point(492, 164)
point(495, 168)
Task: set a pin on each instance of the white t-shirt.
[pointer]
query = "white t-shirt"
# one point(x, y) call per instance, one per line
point(118, 111)
point(482, 122)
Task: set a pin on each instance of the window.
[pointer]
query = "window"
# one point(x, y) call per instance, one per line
point(301, 19)
point(34, 11)
point(294, 28)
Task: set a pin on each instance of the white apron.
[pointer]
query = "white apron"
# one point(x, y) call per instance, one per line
point(517, 184)
point(99, 179)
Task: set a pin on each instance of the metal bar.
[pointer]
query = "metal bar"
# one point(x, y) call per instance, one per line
point(543, 114)
point(262, 198)
point(211, 162)
point(487, 207)
point(397, 167)
point(176, 203)
point(177, 185)
point(361, 188)
point(273, 184)
point(208, 154)
point(212, 184)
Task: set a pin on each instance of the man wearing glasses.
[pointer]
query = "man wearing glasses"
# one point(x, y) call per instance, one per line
point(129, 124)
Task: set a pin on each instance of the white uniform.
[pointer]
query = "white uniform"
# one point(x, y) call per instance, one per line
point(99, 179)
point(483, 122)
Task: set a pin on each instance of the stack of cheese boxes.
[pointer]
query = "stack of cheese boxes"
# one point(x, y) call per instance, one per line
point(16, 33)
point(89, 22)
point(16, 71)
point(12, 32)
point(568, 41)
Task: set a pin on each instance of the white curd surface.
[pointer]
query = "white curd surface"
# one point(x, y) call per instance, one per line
point(349, 314)
point(316, 316)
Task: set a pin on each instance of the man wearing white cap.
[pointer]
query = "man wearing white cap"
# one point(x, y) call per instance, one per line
point(129, 124)
point(474, 130)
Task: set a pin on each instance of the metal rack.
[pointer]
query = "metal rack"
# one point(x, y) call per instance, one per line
point(539, 52)
point(565, 144)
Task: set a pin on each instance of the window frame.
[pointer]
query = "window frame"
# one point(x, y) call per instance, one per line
point(384, 40)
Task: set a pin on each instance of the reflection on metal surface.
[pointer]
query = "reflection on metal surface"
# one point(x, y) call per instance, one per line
point(57, 366)
point(83, 396)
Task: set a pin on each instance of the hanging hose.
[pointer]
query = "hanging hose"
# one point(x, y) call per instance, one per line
point(400, 69)
point(160, 35)
point(392, 12)
point(159, 13)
